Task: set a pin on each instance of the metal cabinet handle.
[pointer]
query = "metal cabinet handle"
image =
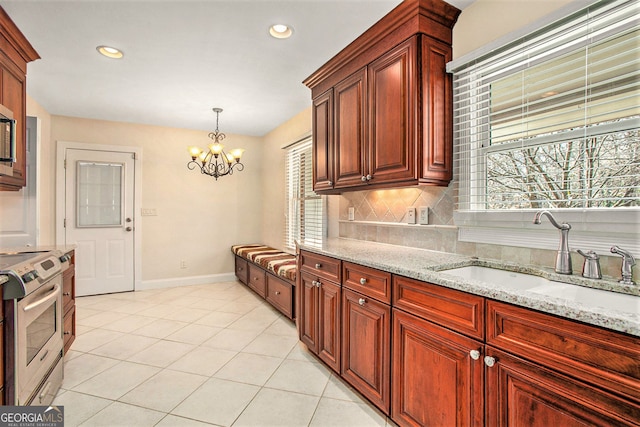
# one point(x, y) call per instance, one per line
point(316, 283)
point(489, 361)
point(318, 265)
point(363, 179)
point(277, 292)
point(368, 177)
point(66, 294)
point(67, 333)
point(362, 301)
point(330, 183)
point(363, 281)
point(475, 354)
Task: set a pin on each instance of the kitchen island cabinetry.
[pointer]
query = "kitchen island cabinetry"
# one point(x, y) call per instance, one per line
point(69, 302)
point(382, 107)
point(15, 53)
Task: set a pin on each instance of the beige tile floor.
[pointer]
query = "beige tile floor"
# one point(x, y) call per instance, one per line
point(195, 356)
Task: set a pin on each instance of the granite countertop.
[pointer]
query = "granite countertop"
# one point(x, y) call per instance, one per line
point(33, 249)
point(618, 306)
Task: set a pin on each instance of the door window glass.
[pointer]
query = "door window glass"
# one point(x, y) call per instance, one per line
point(99, 194)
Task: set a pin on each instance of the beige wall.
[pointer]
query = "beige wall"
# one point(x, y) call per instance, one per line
point(272, 214)
point(198, 218)
point(488, 20)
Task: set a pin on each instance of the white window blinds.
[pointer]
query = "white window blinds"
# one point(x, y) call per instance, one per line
point(303, 208)
point(552, 120)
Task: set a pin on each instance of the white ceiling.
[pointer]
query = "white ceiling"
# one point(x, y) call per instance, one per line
point(183, 57)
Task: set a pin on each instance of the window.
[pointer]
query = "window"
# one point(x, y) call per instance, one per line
point(303, 208)
point(551, 119)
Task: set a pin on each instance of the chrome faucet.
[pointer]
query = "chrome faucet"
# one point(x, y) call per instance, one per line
point(563, 258)
point(628, 261)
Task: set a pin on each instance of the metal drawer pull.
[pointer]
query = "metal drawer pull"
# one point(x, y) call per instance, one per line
point(66, 294)
point(67, 333)
point(363, 281)
point(316, 283)
point(318, 265)
point(489, 361)
point(277, 292)
point(475, 354)
point(361, 301)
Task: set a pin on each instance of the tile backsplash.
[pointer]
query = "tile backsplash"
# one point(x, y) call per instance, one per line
point(379, 216)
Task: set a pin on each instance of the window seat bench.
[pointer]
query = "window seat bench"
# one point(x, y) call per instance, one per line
point(269, 272)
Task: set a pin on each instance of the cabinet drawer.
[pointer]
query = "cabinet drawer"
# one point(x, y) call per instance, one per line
point(280, 295)
point(459, 311)
point(69, 328)
point(605, 358)
point(368, 281)
point(257, 280)
point(320, 265)
point(68, 288)
point(242, 269)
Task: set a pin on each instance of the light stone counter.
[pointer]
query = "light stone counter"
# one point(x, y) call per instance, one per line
point(428, 266)
point(32, 249)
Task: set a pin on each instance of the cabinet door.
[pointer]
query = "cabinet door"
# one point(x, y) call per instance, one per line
point(329, 324)
point(366, 334)
point(435, 380)
point(437, 113)
point(308, 311)
point(13, 97)
point(323, 141)
point(520, 393)
point(350, 129)
point(393, 102)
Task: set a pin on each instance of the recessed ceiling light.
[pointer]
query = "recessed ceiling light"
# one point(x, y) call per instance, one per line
point(280, 31)
point(110, 52)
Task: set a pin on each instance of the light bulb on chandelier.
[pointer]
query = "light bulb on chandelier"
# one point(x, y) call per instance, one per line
point(216, 162)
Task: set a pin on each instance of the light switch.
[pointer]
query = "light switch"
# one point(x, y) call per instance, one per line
point(149, 212)
point(411, 215)
point(352, 213)
point(423, 215)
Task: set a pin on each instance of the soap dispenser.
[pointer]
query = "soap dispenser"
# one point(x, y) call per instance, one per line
point(591, 266)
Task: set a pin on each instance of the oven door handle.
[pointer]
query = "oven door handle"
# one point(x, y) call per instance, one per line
point(51, 295)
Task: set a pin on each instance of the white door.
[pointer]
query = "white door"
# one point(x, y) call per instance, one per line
point(99, 207)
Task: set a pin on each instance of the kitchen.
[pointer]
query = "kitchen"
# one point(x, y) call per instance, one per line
point(164, 243)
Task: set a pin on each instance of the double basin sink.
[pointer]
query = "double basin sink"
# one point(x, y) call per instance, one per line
point(522, 282)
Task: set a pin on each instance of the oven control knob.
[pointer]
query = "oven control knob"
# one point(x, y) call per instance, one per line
point(64, 258)
point(28, 277)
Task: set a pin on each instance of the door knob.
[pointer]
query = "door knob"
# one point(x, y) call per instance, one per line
point(128, 228)
point(128, 220)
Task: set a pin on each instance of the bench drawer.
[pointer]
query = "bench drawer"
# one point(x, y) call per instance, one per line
point(242, 269)
point(368, 281)
point(257, 280)
point(280, 295)
point(320, 266)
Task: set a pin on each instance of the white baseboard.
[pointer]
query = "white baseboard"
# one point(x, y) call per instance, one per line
point(185, 281)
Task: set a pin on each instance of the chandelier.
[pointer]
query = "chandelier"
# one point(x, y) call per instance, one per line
point(216, 162)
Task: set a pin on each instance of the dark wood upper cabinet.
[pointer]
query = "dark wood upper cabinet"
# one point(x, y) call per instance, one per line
point(382, 107)
point(15, 53)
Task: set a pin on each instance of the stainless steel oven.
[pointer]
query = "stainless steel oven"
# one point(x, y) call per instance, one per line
point(37, 328)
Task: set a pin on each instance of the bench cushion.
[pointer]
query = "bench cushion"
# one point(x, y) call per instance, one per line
point(282, 264)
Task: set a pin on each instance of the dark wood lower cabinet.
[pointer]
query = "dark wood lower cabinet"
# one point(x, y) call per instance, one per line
point(521, 393)
point(435, 381)
point(366, 353)
point(319, 318)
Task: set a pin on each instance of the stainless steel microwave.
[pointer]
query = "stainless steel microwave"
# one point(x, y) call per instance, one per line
point(7, 141)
